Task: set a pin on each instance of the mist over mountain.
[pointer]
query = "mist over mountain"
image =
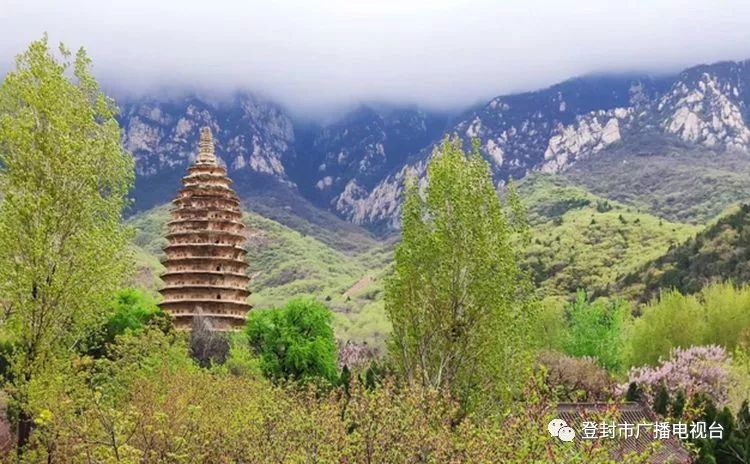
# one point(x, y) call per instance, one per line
point(321, 57)
point(355, 165)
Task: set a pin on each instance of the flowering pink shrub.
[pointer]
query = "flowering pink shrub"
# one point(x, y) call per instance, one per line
point(694, 370)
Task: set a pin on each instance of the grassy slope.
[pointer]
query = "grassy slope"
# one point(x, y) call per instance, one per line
point(285, 263)
point(282, 204)
point(679, 184)
point(580, 240)
point(720, 252)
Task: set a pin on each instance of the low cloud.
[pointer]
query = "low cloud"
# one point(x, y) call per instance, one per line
point(314, 56)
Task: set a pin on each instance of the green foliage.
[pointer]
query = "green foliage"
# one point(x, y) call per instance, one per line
point(286, 264)
point(717, 253)
point(294, 342)
point(727, 315)
point(516, 213)
point(739, 389)
point(670, 322)
point(661, 400)
point(457, 299)
point(678, 183)
point(63, 183)
point(595, 329)
point(734, 445)
point(549, 330)
point(241, 361)
point(718, 315)
point(579, 240)
point(151, 404)
point(130, 310)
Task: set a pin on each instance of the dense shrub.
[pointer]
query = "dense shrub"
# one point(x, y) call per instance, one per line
point(739, 389)
point(734, 445)
point(727, 313)
point(576, 379)
point(130, 310)
point(670, 322)
point(550, 329)
point(294, 342)
point(154, 406)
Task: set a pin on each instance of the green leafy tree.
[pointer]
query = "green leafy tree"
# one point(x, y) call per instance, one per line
point(63, 181)
point(718, 315)
point(727, 313)
point(130, 310)
point(595, 329)
point(457, 299)
point(672, 321)
point(550, 330)
point(294, 342)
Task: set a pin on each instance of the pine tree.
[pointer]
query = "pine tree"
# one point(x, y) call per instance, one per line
point(678, 404)
point(634, 392)
point(661, 400)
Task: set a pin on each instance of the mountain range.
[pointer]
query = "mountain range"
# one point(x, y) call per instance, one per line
point(630, 183)
point(354, 167)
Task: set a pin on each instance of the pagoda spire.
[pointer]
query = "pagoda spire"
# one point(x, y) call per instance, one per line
point(206, 148)
point(206, 273)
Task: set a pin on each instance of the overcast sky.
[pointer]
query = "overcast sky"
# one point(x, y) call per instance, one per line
point(319, 55)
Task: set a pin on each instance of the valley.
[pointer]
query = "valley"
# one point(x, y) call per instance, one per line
point(617, 175)
point(224, 278)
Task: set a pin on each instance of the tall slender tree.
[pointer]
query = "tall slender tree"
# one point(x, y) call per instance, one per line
point(64, 180)
point(458, 300)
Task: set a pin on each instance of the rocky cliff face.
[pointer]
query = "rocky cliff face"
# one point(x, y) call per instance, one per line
point(707, 106)
point(352, 156)
point(357, 165)
point(251, 134)
point(549, 130)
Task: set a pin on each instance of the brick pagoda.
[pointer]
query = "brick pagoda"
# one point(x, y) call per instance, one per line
point(205, 266)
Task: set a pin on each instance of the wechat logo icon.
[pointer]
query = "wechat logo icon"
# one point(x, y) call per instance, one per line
point(559, 428)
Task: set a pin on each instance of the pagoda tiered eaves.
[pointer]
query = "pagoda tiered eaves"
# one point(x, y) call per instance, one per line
point(204, 257)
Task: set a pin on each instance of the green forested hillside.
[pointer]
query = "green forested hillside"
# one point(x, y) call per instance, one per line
point(580, 240)
point(677, 183)
point(285, 263)
point(720, 252)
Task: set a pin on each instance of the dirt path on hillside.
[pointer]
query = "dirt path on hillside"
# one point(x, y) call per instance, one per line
point(361, 283)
